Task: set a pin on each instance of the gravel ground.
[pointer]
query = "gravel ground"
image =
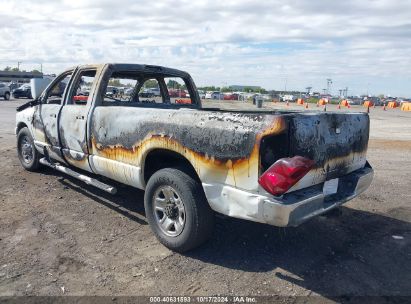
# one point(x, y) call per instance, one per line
point(58, 236)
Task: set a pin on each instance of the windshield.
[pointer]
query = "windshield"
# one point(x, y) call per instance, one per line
point(24, 86)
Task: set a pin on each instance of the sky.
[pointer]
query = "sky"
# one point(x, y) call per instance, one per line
point(364, 45)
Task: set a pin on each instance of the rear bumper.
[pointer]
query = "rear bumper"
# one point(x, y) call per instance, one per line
point(291, 209)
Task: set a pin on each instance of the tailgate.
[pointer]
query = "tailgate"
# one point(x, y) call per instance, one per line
point(337, 142)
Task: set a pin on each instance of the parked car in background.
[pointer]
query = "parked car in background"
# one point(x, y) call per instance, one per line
point(217, 95)
point(174, 93)
point(13, 85)
point(111, 91)
point(375, 100)
point(146, 93)
point(230, 96)
point(155, 91)
point(23, 91)
point(288, 98)
point(266, 97)
point(354, 101)
point(4, 91)
point(121, 90)
point(201, 93)
point(214, 95)
point(128, 91)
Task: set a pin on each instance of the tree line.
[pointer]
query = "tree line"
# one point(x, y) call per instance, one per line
point(229, 89)
point(10, 69)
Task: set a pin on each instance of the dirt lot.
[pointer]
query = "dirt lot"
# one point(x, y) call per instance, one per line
point(58, 236)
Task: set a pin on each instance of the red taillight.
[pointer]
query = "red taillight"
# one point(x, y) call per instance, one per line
point(284, 174)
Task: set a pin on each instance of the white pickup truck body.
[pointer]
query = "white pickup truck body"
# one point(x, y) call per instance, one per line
point(275, 167)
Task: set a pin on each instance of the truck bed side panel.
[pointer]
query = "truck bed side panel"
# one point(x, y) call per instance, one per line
point(223, 147)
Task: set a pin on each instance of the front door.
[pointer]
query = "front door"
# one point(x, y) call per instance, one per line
point(73, 119)
point(47, 113)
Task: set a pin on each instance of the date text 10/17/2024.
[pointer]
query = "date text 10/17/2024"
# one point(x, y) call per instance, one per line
point(203, 299)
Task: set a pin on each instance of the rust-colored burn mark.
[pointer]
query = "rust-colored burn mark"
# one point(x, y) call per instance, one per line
point(278, 126)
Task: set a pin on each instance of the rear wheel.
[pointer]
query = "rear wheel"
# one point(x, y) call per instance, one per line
point(7, 96)
point(177, 210)
point(27, 153)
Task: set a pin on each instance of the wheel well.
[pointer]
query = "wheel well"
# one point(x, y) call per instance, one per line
point(160, 159)
point(20, 126)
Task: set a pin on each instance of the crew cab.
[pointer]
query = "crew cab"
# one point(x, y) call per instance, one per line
point(269, 166)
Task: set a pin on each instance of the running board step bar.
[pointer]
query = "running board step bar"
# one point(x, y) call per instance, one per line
point(84, 178)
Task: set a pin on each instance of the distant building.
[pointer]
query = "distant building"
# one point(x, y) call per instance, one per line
point(9, 76)
point(242, 87)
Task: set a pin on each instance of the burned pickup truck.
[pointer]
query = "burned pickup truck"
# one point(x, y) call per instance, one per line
point(275, 167)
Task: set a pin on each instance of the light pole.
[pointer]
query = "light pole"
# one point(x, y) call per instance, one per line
point(18, 65)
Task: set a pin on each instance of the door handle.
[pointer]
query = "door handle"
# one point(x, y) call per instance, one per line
point(53, 115)
point(80, 117)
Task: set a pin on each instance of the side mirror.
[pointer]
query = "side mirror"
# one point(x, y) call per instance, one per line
point(38, 85)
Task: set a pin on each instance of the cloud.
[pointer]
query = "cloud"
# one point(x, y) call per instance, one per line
point(359, 44)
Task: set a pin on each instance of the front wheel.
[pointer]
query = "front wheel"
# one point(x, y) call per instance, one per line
point(26, 151)
point(177, 210)
point(7, 96)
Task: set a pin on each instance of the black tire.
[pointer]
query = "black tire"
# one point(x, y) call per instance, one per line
point(7, 96)
point(28, 155)
point(198, 216)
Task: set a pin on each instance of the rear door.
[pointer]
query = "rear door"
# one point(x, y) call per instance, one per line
point(74, 115)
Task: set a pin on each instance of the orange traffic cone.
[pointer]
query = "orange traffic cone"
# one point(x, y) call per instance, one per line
point(348, 106)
